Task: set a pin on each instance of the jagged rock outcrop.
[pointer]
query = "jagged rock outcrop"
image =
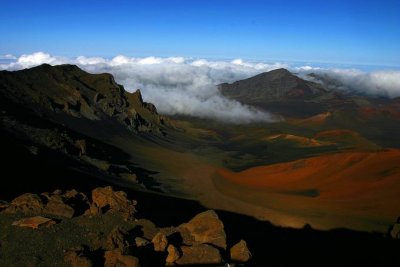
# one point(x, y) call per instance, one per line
point(68, 90)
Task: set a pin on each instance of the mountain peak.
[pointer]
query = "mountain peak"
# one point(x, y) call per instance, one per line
point(276, 86)
point(277, 74)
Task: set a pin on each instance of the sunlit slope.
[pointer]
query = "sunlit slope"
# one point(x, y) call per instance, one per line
point(354, 184)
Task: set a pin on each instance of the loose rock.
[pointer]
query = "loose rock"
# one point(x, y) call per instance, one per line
point(395, 231)
point(240, 252)
point(160, 242)
point(26, 203)
point(173, 255)
point(199, 254)
point(114, 201)
point(205, 227)
point(34, 222)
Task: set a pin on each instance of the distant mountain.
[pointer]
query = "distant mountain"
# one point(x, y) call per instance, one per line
point(282, 92)
point(68, 90)
point(274, 85)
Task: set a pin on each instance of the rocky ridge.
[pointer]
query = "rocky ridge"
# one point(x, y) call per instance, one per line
point(68, 90)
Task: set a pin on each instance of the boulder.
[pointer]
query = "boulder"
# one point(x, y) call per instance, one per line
point(173, 255)
point(116, 240)
point(395, 231)
point(160, 242)
point(26, 203)
point(56, 206)
point(115, 258)
point(201, 254)
point(77, 259)
point(240, 252)
point(205, 227)
point(114, 201)
point(34, 222)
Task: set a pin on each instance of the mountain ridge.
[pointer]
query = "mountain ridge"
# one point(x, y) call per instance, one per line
point(67, 89)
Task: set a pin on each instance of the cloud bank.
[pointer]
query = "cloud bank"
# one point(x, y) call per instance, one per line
point(178, 85)
point(175, 85)
point(378, 83)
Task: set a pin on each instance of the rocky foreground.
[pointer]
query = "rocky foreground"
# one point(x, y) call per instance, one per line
point(72, 229)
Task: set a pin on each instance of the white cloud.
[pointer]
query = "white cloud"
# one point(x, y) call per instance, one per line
point(179, 85)
point(175, 85)
point(379, 83)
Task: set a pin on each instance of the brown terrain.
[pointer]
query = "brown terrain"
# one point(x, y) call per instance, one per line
point(331, 163)
point(362, 187)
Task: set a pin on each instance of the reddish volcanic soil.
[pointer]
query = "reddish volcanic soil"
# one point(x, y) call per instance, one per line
point(359, 190)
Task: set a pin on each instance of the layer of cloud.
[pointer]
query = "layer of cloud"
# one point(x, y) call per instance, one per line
point(175, 85)
point(178, 85)
point(377, 83)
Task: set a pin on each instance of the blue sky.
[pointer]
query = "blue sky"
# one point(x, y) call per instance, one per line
point(358, 32)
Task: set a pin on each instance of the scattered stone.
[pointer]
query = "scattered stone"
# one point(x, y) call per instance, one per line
point(240, 252)
point(115, 201)
point(26, 203)
point(34, 222)
point(77, 259)
point(205, 227)
point(173, 255)
point(116, 240)
point(141, 242)
point(199, 254)
point(114, 258)
point(160, 242)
